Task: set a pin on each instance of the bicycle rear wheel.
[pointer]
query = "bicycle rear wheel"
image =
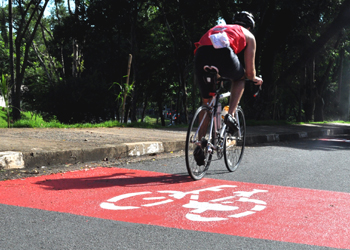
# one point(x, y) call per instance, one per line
point(198, 135)
point(234, 144)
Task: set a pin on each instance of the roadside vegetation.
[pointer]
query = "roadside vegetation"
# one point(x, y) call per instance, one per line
point(30, 120)
point(93, 61)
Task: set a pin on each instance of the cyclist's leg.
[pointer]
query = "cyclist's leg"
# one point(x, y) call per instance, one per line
point(204, 119)
point(233, 69)
point(237, 89)
point(205, 56)
point(203, 129)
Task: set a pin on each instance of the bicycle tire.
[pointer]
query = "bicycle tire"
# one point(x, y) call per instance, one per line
point(234, 144)
point(192, 141)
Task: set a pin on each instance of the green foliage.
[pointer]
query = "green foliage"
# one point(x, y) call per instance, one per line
point(5, 94)
point(28, 120)
point(3, 118)
point(4, 56)
point(125, 91)
point(85, 99)
point(4, 89)
point(98, 36)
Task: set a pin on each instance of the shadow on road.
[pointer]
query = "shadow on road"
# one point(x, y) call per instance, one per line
point(331, 143)
point(124, 179)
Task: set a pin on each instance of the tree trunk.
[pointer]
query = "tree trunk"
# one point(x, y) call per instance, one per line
point(341, 86)
point(42, 63)
point(61, 45)
point(135, 51)
point(309, 106)
point(319, 105)
point(160, 111)
point(16, 98)
point(24, 36)
point(127, 109)
point(12, 73)
point(322, 83)
point(144, 108)
point(340, 82)
point(126, 87)
point(184, 102)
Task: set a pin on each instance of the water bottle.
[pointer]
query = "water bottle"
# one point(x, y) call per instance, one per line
point(224, 112)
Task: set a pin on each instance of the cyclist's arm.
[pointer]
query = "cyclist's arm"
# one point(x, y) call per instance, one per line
point(249, 57)
point(249, 54)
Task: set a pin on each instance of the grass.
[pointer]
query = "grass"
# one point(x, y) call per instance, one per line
point(30, 121)
point(325, 122)
point(282, 123)
point(36, 121)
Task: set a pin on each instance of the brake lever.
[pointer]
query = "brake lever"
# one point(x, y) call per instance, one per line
point(257, 92)
point(259, 89)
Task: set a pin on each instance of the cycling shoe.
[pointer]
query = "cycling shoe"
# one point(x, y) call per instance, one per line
point(231, 122)
point(198, 154)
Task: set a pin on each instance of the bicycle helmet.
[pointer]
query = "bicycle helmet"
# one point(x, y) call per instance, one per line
point(244, 19)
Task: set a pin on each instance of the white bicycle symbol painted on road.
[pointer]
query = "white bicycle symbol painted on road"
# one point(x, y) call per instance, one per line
point(222, 204)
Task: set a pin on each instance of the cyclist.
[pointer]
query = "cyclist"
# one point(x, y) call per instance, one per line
point(219, 47)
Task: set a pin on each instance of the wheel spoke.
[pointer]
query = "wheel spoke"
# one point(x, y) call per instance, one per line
point(198, 132)
point(234, 144)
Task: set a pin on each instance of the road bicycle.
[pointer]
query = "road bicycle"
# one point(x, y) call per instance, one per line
point(208, 131)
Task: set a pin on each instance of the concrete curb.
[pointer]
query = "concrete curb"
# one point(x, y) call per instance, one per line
point(73, 156)
point(256, 139)
point(13, 160)
point(10, 159)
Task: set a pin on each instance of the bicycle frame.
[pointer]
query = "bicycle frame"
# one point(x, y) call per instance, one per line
point(213, 105)
point(208, 134)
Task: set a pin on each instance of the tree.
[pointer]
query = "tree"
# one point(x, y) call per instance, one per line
point(29, 14)
point(298, 54)
point(5, 93)
point(340, 22)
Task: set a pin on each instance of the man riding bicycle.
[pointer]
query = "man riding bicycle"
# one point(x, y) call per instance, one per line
point(219, 47)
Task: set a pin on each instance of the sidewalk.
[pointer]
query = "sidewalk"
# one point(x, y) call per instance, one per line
point(26, 147)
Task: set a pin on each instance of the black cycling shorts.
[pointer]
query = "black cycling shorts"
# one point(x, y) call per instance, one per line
point(224, 59)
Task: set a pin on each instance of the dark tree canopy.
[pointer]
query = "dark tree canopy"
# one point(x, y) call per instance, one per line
point(74, 63)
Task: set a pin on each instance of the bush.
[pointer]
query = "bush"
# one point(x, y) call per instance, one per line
point(78, 100)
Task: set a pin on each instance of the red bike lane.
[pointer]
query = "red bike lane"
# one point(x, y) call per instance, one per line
point(286, 214)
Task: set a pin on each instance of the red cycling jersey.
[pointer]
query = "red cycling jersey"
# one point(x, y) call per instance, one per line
point(234, 33)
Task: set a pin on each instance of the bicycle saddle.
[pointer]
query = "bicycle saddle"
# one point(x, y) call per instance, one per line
point(211, 69)
point(212, 73)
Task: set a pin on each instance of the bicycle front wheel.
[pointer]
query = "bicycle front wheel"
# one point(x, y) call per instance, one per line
point(198, 136)
point(234, 143)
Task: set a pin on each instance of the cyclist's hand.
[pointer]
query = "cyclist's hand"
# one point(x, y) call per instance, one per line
point(258, 81)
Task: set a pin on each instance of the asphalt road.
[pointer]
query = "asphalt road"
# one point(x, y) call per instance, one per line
point(306, 165)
